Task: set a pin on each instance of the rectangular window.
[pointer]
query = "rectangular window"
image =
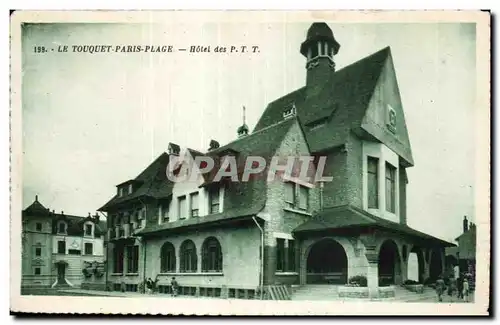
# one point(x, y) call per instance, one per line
point(291, 256)
point(88, 230)
point(280, 254)
point(38, 226)
point(118, 260)
point(390, 188)
point(38, 271)
point(303, 197)
point(372, 183)
point(132, 259)
point(130, 188)
point(194, 205)
point(38, 251)
point(61, 247)
point(182, 207)
point(290, 194)
point(164, 212)
point(214, 200)
point(89, 248)
point(74, 252)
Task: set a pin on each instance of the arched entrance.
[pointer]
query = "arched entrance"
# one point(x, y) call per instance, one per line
point(436, 265)
point(416, 264)
point(327, 263)
point(389, 264)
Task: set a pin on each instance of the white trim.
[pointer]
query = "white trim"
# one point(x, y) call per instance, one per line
point(282, 235)
point(287, 273)
point(384, 155)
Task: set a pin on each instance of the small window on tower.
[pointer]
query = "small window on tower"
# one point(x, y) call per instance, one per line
point(314, 52)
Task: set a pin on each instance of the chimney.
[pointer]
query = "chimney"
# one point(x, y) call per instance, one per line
point(96, 217)
point(213, 145)
point(36, 198)
point(466, 224)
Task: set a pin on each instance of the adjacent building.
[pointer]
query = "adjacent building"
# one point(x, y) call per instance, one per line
point(464, 255)
point(230, 238)
point(56, 247)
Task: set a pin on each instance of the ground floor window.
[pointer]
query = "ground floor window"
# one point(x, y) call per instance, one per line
point(189, 260)
point(167, 258)
point(211, 255)
point(118, 260)
point(133, 259)
point(285, 255)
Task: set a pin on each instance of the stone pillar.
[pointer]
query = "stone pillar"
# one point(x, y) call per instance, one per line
point(370, 243)
point(404, 269)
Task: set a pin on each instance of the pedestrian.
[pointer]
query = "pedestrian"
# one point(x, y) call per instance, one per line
point(452, 286)
point(465, 289)
point(460, 287)
point(440, 287)
point(149, 285)
point(174, 286)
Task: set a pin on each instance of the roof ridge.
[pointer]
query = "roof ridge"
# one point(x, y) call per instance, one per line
point(368, 57)
point(257, 132)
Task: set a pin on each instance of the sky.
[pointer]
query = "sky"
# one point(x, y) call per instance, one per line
point(92, 121)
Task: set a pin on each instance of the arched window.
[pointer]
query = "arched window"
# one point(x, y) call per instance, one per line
point(61, 227)
point(189, 260)
point(211, 255)
point(167, 258)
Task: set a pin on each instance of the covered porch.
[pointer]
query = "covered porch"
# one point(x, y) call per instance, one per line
point(346, 244)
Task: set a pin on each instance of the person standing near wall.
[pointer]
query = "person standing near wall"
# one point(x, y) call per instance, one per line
point(440, 287)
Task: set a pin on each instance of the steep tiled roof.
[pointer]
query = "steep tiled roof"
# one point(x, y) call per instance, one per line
point(342, 103)
point(36, 209)
point(152, 182)
point(75, 223)
point(241, 198)
point(346, 216)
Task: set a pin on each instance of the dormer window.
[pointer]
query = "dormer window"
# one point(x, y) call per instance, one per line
point(130, 189)
point(289, 111)
point(88, 229)
point(214, 200)
point(61, 227)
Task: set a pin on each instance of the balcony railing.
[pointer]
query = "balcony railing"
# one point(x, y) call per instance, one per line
point(122, 231)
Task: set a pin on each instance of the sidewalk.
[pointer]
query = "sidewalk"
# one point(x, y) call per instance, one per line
point(127, 294)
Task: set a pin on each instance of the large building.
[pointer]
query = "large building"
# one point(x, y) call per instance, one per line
point(231, 238)
point(56, 247)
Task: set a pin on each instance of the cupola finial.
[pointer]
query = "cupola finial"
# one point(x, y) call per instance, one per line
point(243, 129)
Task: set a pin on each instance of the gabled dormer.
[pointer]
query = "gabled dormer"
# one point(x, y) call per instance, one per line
point(128, 187)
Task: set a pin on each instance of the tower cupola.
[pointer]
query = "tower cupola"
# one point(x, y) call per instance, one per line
point(319, 48)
